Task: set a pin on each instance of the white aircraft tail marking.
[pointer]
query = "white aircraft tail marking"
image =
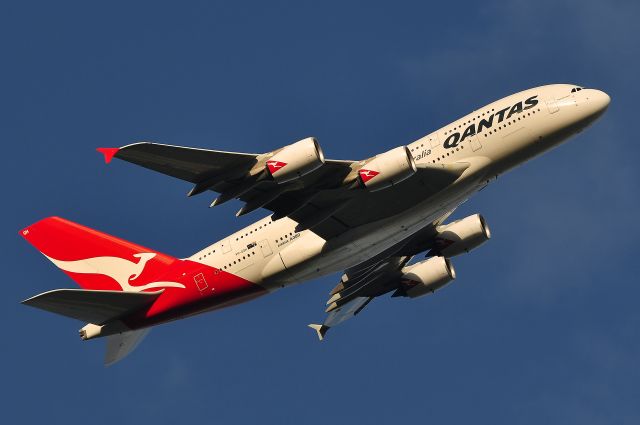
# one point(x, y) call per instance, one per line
point(121, 270)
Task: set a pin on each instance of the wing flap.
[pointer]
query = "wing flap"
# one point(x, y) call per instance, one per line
point(96, 307)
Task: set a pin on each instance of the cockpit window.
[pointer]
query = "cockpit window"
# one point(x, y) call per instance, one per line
point(576, 89)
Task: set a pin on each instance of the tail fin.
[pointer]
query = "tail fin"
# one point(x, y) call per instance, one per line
point(96, 260)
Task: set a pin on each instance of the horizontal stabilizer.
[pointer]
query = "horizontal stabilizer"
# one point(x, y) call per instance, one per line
point(96, 307)
point(120, 345)
point(321, 330)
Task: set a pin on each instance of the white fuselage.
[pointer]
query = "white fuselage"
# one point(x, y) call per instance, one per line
point(513, 130)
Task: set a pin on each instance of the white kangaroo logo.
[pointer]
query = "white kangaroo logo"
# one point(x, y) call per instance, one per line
point(119, 269)
point(276, 164)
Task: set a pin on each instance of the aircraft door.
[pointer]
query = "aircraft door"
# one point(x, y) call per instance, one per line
point(433, 140)
point(265, 248)
point(225, 245)
point(474, 141)
point(200, 281)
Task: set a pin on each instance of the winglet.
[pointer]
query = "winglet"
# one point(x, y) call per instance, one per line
point(320, 329)
point(108, 153)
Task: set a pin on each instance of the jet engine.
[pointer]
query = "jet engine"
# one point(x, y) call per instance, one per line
point(426, 276)
point(387, 169)
point(296, 160)
point(461, 236)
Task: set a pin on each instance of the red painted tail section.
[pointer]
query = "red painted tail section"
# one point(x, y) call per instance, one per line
point(96, 260)
point(99, 261)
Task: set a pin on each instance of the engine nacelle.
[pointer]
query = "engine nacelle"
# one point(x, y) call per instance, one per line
point(461, 236)
point(296, 160)
point(427, 276)
point(387, 169)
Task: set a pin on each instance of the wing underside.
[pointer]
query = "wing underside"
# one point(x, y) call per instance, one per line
point(319, 200)
point(378, 276)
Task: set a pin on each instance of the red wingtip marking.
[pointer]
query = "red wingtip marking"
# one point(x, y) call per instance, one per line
point(108, 153)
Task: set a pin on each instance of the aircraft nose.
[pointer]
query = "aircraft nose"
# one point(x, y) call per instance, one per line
point(599, 99)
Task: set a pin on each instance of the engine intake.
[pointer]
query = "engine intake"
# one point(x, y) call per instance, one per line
point(296, 160)
point(427, 276)
point(387, 169)
point(461, 236)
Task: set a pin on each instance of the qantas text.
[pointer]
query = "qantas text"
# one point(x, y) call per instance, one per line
point(454, 139)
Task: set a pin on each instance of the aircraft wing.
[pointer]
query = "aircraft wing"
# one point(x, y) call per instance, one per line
point(427, 181)
point(379, 275)
point(318, 200)
point(190, 164)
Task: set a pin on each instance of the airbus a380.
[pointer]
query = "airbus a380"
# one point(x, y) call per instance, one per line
point(369, 218)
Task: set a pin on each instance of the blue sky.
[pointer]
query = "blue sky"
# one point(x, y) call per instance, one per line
point(542, 324)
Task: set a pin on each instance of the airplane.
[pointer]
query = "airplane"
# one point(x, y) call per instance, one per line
point(372, 218)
